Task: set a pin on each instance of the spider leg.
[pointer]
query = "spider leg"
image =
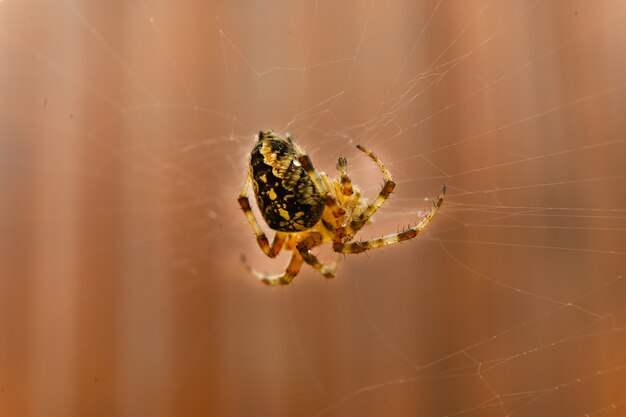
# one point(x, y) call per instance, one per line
point(280, 279)
point(329, 199)
point(409, 233)
point(279, 238)
point(388, 186)
point(346, 182)
point(326, 270)
point(304, 247)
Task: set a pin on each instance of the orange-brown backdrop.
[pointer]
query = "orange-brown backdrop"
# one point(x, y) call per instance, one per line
point(124, 132)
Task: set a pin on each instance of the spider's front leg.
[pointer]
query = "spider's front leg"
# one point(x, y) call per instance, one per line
point(409, 233)
point(279, 238)
point(346, 182)
point(346, 232)
point(388, 186)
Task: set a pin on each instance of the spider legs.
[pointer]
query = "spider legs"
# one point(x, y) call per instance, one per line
point(279, 238)
point(304, 247)
point(281, 279)
point(388, 186)
point(346, 187)
point(302, 252)
point(343, 233)
point(409, 233)
point(346, 182)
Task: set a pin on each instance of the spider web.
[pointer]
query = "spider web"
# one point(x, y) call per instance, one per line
point(124, 133)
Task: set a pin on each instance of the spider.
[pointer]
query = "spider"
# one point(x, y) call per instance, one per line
point(307, 209)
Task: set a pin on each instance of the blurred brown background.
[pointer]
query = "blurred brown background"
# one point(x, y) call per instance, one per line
point(124, 132)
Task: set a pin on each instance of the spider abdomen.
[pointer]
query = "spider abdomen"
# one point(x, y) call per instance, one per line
point(286, 196)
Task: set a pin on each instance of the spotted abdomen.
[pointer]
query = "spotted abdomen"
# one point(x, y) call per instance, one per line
point(286, 196)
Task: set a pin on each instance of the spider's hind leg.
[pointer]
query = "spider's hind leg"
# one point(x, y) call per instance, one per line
point(279, 279)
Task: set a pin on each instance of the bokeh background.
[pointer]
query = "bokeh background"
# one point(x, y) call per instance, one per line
point(124, 133)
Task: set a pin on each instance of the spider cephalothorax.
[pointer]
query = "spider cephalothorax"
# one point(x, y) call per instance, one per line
point(307, 209)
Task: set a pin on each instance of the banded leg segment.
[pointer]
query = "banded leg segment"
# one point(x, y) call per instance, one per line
point(279, 238)
point(301, 253)
point(409, 233)
point(280, 279)
point(388, 186)
point(304, 247)
point(346, 182)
